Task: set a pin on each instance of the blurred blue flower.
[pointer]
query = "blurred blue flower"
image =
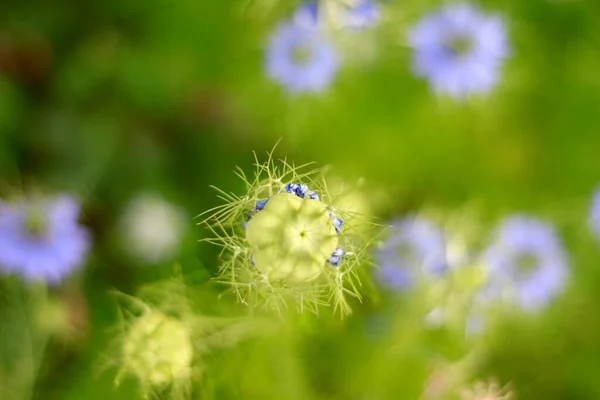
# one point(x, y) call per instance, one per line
point(359, 14)
point(41, 240)
point(416, 247)
point(352, 15)
point(527, 259)
point(307, 15)
point(595, 213)
point(301, 59)
point(459, 50)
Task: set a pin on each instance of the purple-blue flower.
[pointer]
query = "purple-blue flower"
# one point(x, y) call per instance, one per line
point(415, 248)
point(301, 59)
point(459, 50)
point(41, 239)
point(527, 261)
point(352, 15)
point(595, 213)
point(307, 15)
point(359, 14)
point(336, 257)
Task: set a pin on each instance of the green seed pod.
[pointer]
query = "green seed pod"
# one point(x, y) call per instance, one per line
point(287, 242)
point(159, 349)
point(291, 238)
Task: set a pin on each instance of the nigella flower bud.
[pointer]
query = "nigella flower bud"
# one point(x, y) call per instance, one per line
point(295, 245)
point(158, 349)
point(291, 238)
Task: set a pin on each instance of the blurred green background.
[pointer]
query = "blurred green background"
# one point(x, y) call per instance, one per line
point(110, 99)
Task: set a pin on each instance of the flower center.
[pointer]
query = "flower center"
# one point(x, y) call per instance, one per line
point(459, 45)
point(406, 252)
point(526, 264)
point(291, 238)
point(301, 54)
point(35, 224)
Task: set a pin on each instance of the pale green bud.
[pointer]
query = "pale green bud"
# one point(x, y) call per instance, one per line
point(158, 349)
point(292, 238)
point(286, 240)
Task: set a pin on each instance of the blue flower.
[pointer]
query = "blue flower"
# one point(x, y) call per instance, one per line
point(301, 59)
point(415, 248)
point(527, 260)
point(307, 15)
point(595, 214)
point(359, 14)
point(459, 50)
point(260, 204)
point(300, 190)
point(41, 240)
point(336, 257)
point(355, 15)
point(313, 195)
point(337, 222)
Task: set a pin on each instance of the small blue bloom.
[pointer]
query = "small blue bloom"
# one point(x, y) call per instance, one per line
point(527, 260)
point(337, 222)
point(459, 50)
point(336, 257)
point(260, 204)
point(307, 15)
point(291, 188)
point(301, 190)
point(41, 240)
point(301, 59)
point(415, 247)
point(313, 195)
point(595, 213)
point(354, 15)
point(360, 14)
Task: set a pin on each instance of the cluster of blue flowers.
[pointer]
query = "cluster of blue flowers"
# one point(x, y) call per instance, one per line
point(303, 192)
point(41, 240)
point(457, 48)
point(525, 259)
point(300, 54)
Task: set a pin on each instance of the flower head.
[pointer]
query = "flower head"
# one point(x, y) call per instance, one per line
point(595, 214)
point(301, 59)
point(358, 14)
point(347, 14)
point(526, 259)
point(459, 50)
point(164, 335)
point(307, 15)
point(41, 239)
point(415, 248)
point(158, 348)
point(285, 241)
point(291, 238)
